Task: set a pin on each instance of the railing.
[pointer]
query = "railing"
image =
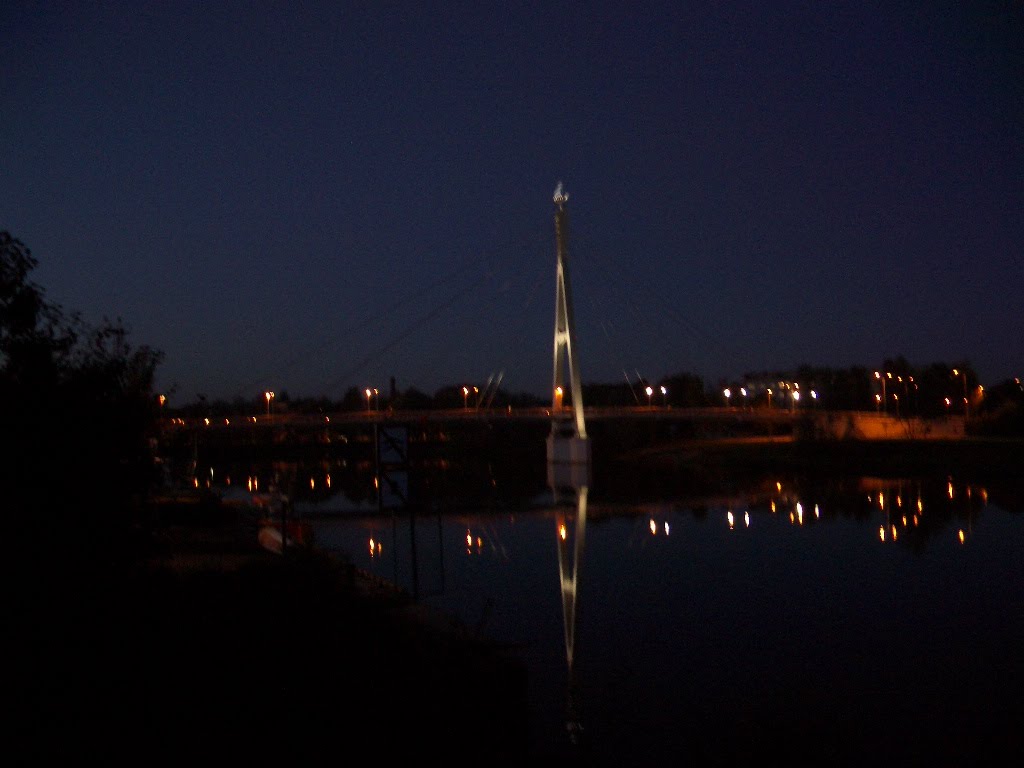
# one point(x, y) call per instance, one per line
point(309, 420)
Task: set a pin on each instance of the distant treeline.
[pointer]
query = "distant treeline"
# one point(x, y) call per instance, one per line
point(896, 387)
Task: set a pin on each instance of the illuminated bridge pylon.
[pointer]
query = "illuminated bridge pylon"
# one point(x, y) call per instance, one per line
point(567, 444)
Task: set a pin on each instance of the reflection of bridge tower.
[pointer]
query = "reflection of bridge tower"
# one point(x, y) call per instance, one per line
point(567, 443)
point(568, 578)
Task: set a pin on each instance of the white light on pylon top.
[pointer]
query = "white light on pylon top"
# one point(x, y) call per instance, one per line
point(560, 195)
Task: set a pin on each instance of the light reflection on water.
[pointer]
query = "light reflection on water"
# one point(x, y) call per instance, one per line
point(784, 614)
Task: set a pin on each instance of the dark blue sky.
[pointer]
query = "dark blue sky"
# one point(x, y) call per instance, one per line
point(314, 196)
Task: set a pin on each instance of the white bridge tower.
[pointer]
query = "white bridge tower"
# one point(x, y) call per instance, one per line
point(567, 446)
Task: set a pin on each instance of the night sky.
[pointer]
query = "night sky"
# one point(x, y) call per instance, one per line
point(308, 197)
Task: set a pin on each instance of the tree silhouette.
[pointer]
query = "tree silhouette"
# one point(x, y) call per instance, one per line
point(77, 417)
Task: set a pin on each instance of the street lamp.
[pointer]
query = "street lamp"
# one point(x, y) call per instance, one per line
point(558, 398)
point(270, 396)
point(649, 392)
point(963, 374)
point(465, 397)
point(881, 378)
point(369, 394)
point(728, 393)
point(796, 398)
point(664, 397)
point(769, 397)
point(743, 391)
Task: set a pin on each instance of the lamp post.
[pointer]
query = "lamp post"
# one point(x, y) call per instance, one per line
point(369, 394)
point(649, 391)
point(963, 374)
point(558, 398)
point(728, 393)
point(743, 391)
point(664, 397)
point(270, 396)
point(465, 398)
point(881, 378)
point(769, 398)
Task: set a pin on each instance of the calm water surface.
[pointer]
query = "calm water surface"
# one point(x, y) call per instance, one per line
point(835, 621)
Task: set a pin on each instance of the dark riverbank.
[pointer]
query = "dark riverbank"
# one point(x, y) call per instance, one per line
point(202, 646)
point(211, 649)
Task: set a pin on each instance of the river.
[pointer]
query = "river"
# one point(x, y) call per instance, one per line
point(795, 617)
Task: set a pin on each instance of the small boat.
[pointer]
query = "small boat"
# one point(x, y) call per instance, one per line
point(298, 534)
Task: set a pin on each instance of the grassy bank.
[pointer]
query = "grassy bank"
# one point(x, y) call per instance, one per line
point(207, 648)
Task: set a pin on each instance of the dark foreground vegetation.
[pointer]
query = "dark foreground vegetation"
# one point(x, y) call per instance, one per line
point(213, 651)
